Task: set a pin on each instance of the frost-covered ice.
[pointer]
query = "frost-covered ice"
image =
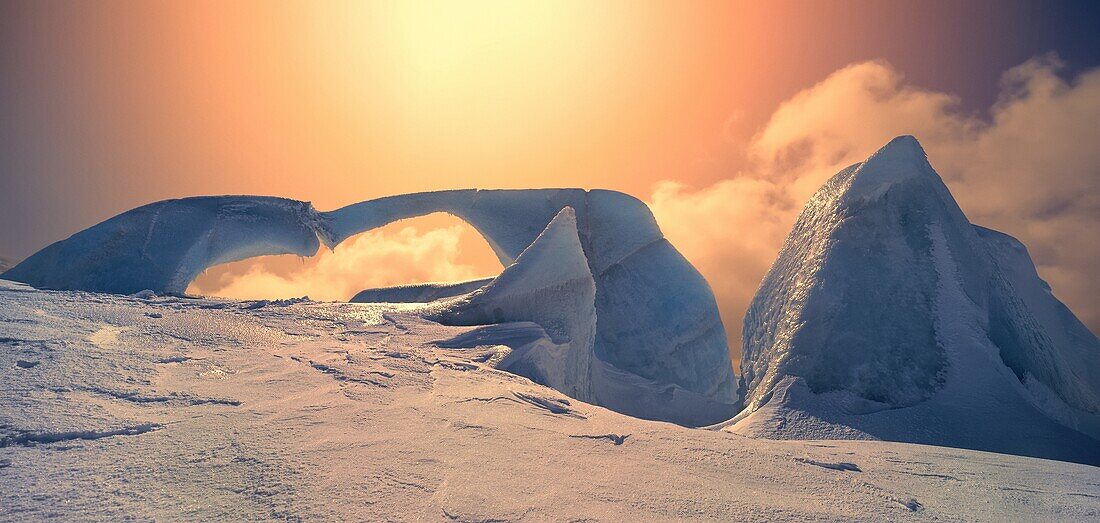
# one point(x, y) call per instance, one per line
point(166, 408)
point(889, 316)
point(418, 292)
point(656, 318)
point(164, 246)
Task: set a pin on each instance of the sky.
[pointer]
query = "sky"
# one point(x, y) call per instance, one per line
point(723, 116)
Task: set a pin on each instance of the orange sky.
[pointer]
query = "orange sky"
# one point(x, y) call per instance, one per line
point(108, 105)
point(337, 102)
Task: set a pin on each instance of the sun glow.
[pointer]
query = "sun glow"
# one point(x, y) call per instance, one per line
point(461, 87)
point(433, 248)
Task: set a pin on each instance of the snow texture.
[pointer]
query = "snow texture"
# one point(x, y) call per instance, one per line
point(888, 315)
point(174, 409)
point(656, 315)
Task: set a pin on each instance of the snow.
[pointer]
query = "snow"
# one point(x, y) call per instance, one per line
point(656, 316)
point(193, 409)
point(889, 316)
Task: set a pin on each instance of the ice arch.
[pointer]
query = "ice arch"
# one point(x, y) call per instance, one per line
point(656, 315)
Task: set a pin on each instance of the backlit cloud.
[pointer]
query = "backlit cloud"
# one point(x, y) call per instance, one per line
point(1028, 168)
point(373, 259)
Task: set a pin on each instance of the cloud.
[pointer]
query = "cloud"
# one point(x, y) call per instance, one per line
point(373, 259)
point(1030, 169)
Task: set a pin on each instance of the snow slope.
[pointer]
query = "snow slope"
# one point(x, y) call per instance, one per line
point(114, 407)
point(656, 315)
point(889, 316)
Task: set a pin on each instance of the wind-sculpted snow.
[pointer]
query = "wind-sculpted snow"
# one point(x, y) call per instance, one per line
point(888, 315)
point(548, 284)
point(656, 316)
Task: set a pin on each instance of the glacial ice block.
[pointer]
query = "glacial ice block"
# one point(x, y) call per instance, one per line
point(548, 284)
point(888, 315)
point(163, 246)
point(656, 315)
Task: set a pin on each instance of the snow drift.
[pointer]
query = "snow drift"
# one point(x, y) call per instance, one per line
point(888, 315)
point(657, 320)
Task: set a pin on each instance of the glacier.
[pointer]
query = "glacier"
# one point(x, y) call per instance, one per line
point(888, 315)
point(656, 319)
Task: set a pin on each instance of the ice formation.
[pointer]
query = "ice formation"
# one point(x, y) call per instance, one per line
point(550, 285)
point(163, 246)
point(657, 320)
point(657, 317)
point(888, 315)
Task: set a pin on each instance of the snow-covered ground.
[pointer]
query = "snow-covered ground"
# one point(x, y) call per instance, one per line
point(117, 407)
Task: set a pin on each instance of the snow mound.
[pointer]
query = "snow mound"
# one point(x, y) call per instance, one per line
point(113, 409)
point(888, 315)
